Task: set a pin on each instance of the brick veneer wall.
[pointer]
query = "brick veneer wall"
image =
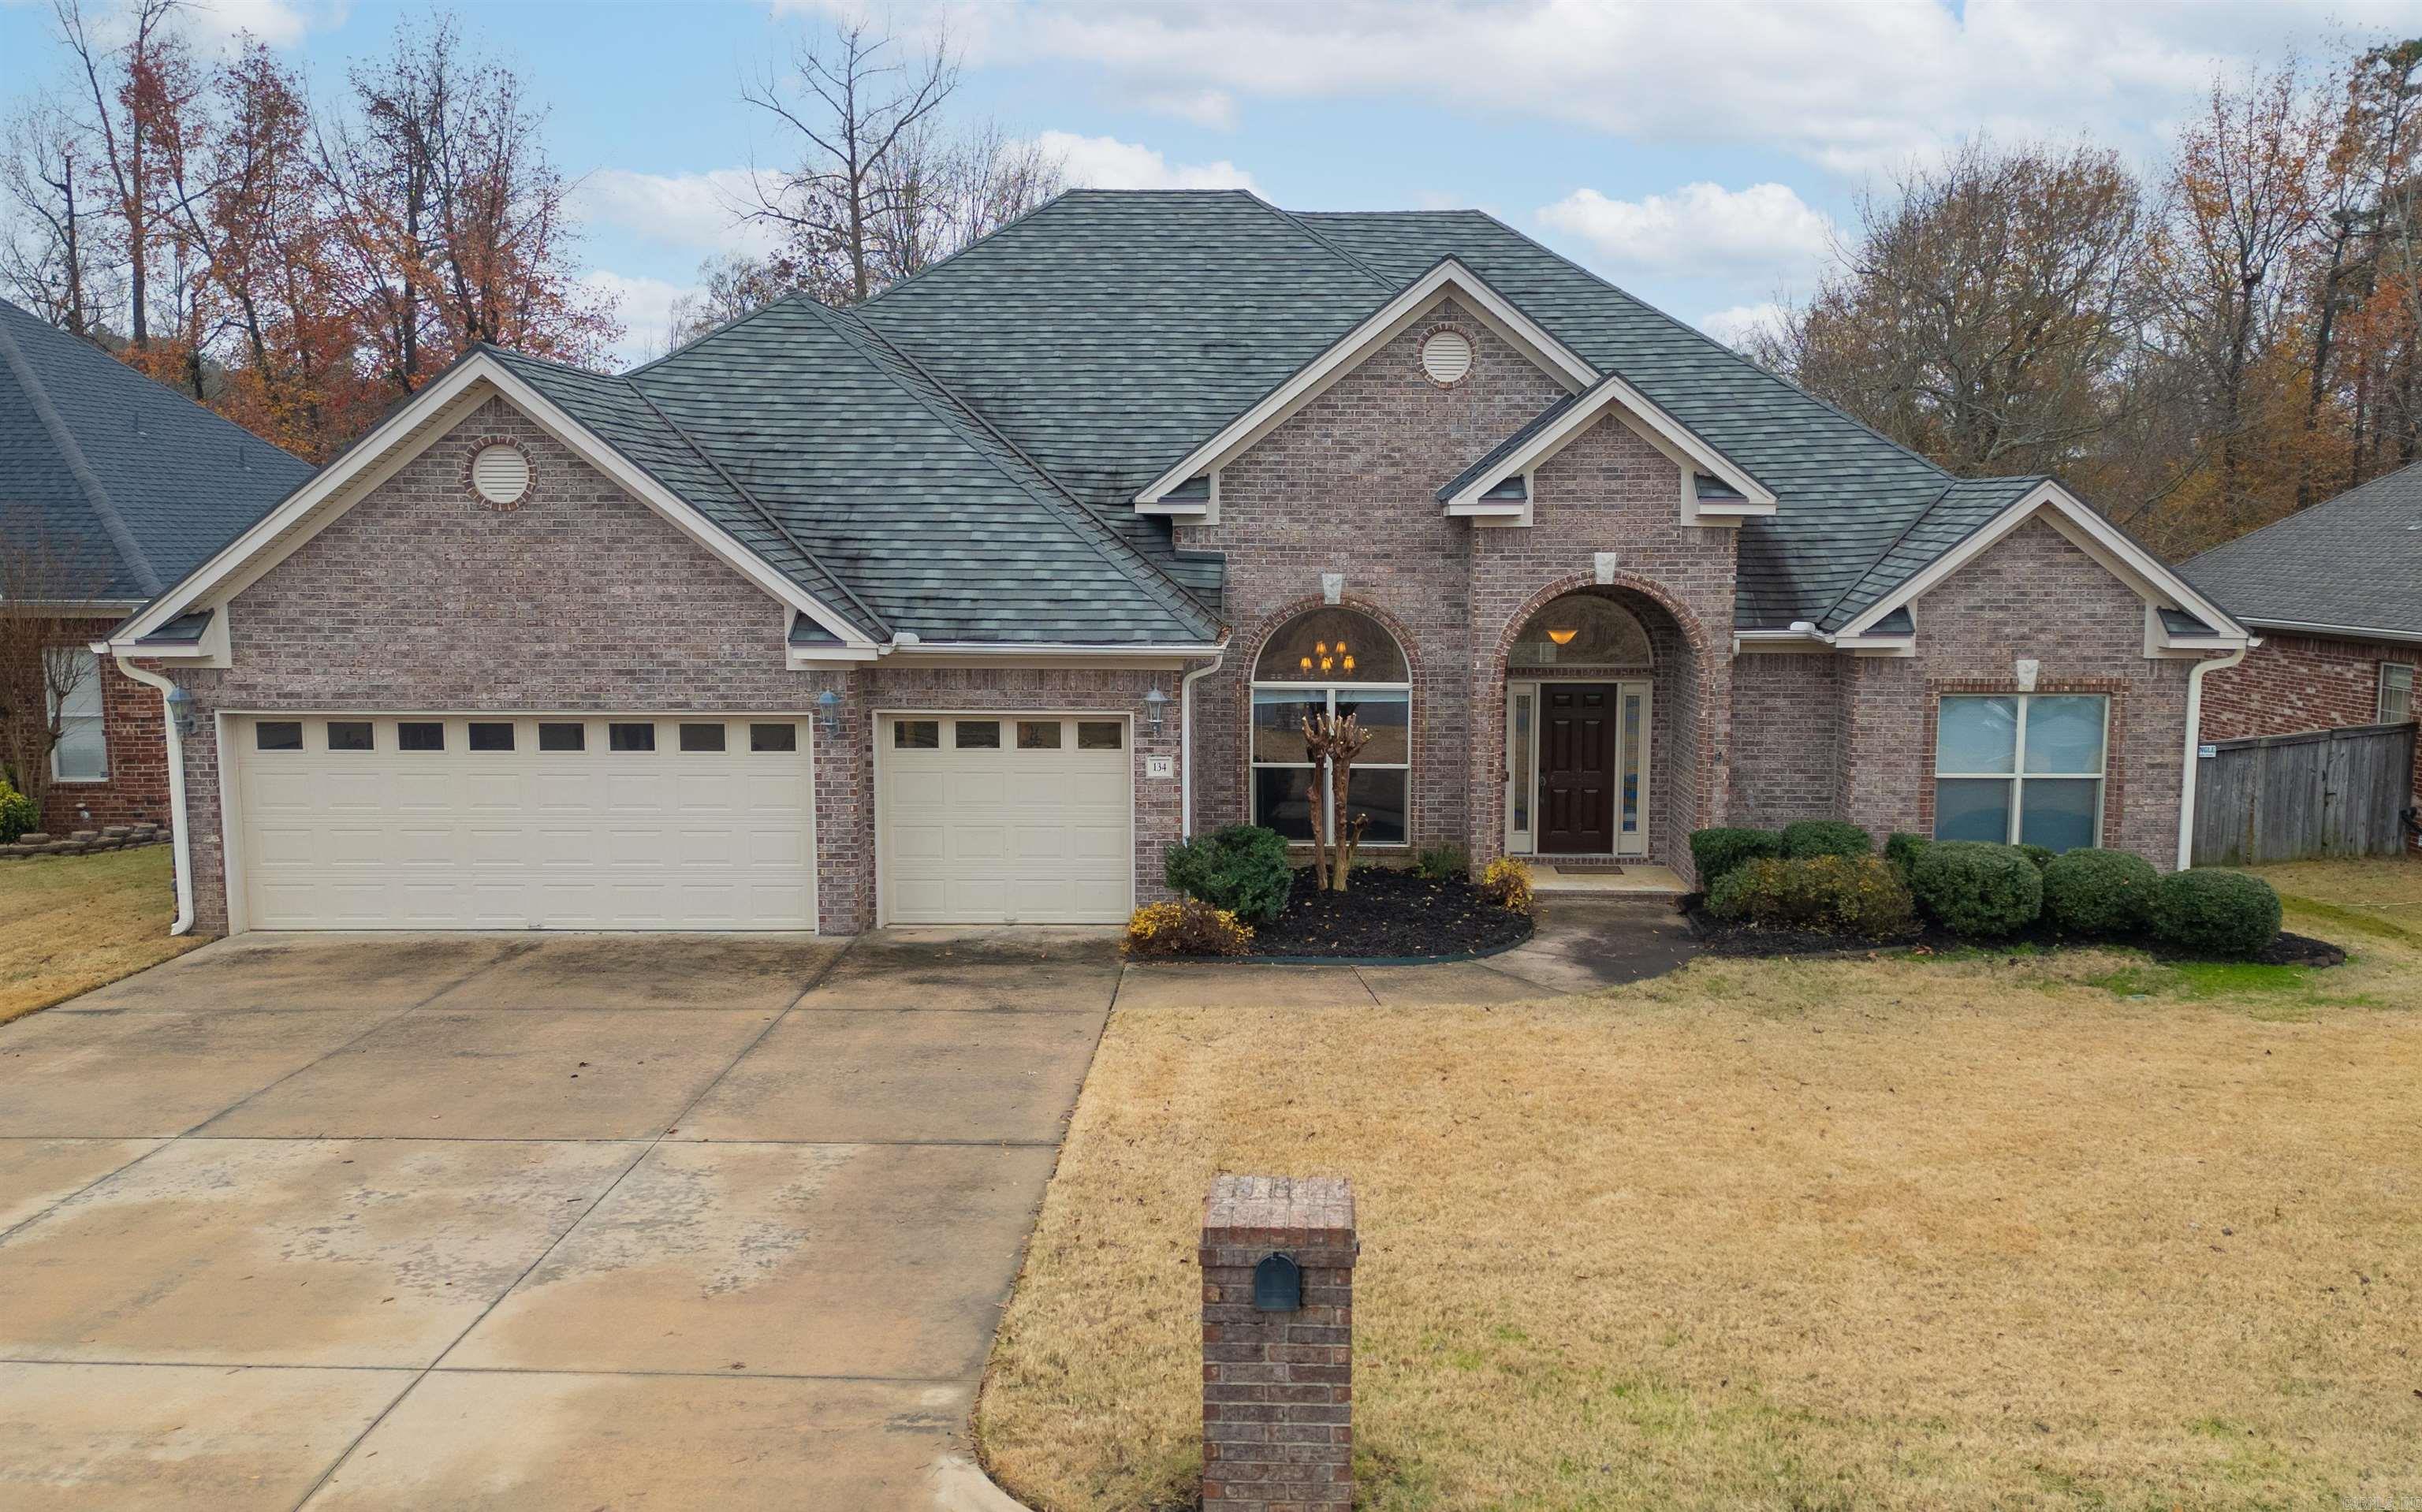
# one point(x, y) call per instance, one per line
point(2034, 594)
point(1348, 484)
point(136, 790)
point(423, 597)
point(2292, 682)
point(1786, 739)
point(1278, 1386)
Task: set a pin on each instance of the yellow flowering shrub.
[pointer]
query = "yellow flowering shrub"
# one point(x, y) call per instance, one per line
point(1190, 927)
point(1508, 884)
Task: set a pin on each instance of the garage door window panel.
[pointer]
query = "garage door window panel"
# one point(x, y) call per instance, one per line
point(351, 734)
point(420, 735)
point(916, 734)
point(701, 737)
point(1038, 734)
point(625, 736)
point(975, 734)
point(1100, 735)
point(557, 735)
point(491, 735)
point(766, 739)
point(278, 735)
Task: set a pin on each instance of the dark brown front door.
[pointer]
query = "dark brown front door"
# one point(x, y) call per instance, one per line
point(1576, 768)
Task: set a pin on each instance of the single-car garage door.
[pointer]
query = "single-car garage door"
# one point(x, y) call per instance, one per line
point(1005, 819)
point(374, 821)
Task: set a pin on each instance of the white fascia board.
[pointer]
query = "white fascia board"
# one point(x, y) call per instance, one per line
point(1670, 436)
point(1493, 309)
point(2340, 632)
point(2091, 533)
point(328, 494)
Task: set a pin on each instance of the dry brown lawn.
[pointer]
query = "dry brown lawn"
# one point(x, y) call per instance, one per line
point(2072, 1231)
point(70, 924)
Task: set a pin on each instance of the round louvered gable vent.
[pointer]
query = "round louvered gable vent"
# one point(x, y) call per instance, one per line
point(1446, 357)
point(500, 474)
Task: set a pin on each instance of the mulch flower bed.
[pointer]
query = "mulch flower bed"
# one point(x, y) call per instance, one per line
point(1729, 937)
point(1389, 914)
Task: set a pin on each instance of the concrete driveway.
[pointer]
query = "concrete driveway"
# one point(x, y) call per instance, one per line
point(489, 1223)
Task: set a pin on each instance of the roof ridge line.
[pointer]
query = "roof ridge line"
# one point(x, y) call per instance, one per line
point(129, 551)
point(2297, 515)
point(1685, 326)
point(1348, 257)
point(1092, 531)
point(1890, 547)
point(755, 503)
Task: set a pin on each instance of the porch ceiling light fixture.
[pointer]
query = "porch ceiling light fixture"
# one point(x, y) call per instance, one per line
point(1562, 638)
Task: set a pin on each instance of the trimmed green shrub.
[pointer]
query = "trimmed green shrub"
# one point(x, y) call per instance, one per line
point(1714, 852)
point(17, 815)
point(1841, 894)
point(2041, 855)
point(1242, 869)
point(1825, 837)
point(1977, 888)
point(2095, 891)
point(2214, 912)
point(1442, 864)
point(1903, 849)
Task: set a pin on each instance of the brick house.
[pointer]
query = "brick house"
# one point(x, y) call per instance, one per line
point(111, 487)
point(2335, 592)
point(960, 605)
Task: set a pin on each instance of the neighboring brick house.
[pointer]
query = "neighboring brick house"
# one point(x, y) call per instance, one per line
point(960, 605)
point(111, 487)
point(2336, 592)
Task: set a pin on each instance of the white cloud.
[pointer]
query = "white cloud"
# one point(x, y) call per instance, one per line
point(1737, 324)
point(1107, 163)
point(643, 305)
point(1856, 85)
point(1212, 108)
point(697, 212)
point(279, 22)
point(1698, 227)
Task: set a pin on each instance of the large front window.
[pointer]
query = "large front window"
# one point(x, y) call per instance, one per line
point(82, 754)
point(2020, 768)
point(1332, 661)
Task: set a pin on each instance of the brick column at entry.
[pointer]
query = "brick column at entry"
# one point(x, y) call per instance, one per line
point(1277, 1380)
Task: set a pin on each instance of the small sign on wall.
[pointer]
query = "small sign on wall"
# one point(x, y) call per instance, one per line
point(1161, 766)
point(2207, 752)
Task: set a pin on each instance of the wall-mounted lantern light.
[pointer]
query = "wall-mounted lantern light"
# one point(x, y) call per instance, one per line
point(182, 714)
point(1154, 702)
point(829, 712)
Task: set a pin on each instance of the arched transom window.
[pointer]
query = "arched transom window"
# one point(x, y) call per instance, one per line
point(1580, 631)
point(1331, 660)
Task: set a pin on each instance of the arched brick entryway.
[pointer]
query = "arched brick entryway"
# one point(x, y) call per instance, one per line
point(1690, 714)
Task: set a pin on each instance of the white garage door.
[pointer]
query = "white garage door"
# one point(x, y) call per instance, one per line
point(529, 822)
point(1005, 819)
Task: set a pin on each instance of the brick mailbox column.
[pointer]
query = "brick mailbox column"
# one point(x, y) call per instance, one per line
point(1278, 1343)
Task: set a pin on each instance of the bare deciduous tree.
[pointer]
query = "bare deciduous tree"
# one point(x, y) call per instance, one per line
point(49, 593)
point(1332, 742)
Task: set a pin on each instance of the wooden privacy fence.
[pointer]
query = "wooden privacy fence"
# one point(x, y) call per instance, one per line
point(2292, 797)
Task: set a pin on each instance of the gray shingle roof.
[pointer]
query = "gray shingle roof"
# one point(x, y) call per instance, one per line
point(2353, 562)
point(133, 483)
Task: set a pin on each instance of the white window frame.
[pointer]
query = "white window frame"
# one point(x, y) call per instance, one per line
point(87, 678)
point(1328, 693)
point(2393, 671)
point(2017, 775)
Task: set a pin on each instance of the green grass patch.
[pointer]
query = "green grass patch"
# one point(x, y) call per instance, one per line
point(2362, 922)
point(2273, 994)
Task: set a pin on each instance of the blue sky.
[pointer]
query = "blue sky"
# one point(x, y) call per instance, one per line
point(1695, 153)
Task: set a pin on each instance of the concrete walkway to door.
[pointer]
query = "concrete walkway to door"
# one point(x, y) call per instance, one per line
point(485, 1223)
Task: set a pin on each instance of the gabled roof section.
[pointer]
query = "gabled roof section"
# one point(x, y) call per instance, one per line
point(2352, 563)
point(1490, 463)
point(1548, 434)
point(935, 519)
point(1976, 514)
point(1445, 278)
point(132, 483)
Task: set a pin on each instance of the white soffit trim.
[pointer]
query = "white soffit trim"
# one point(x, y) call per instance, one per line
point(450, 400)
point(2091, 533)
point(2340, 632)
point(1643, 415)
point(1491, 308)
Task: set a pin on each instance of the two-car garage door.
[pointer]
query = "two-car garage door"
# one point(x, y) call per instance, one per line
point(689, 822)
point(531, 822)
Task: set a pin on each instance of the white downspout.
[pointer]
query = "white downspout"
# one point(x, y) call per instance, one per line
point(1186, 741)
point(2195, 741)
point(180, 838)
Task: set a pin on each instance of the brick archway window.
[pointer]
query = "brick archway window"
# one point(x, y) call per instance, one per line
point(1340, 661)
point(1580, 630)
